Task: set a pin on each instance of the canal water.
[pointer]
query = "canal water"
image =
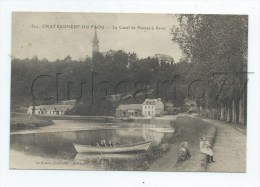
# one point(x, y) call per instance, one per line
point(55, 143)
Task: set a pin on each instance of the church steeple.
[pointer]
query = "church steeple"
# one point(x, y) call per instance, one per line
point(95, 44)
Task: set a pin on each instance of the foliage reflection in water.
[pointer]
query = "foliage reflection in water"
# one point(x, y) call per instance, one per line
point(59, 146)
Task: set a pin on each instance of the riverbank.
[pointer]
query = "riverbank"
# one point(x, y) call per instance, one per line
point(188, 129)
point(25, 123)
point(21, 121)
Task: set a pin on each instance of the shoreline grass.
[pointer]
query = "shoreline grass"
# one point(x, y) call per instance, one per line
point(21, 121)
point(190, 130)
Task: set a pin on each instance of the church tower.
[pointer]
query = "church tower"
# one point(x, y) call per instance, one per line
point(95, 44)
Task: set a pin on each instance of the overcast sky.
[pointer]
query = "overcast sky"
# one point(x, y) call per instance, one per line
point(56, 43)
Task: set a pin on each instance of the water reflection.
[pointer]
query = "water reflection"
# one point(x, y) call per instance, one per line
point(59, 145)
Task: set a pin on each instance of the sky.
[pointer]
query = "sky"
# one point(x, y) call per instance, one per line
point(40, 34)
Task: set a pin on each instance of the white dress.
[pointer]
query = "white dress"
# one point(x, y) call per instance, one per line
point(205, 148)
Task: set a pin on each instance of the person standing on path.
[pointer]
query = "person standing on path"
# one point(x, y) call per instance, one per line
point(205, 148)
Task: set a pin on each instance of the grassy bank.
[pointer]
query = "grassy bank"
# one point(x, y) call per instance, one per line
point(21, 121)
point(187, 129)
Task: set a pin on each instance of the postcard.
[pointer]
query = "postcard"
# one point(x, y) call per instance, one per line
point(129, 91)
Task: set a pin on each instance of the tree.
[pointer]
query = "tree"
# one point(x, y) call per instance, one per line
point(68, 59)
point(216, 44)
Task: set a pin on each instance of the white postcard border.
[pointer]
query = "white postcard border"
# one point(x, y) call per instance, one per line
point(33, 178)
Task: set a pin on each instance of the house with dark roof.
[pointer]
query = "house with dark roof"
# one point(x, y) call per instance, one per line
point(152, 107)
point(56, 109)
point(127, 110)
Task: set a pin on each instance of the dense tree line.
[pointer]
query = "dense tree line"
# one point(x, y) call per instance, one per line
point(217, 47)
point(91, 80)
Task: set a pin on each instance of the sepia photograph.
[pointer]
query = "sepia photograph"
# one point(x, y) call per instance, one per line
point(129, 92)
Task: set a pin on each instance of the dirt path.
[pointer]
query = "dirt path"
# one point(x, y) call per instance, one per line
point(229, 152)
point(229, 149)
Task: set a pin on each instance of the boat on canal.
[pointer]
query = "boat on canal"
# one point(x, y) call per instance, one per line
point(137, 147)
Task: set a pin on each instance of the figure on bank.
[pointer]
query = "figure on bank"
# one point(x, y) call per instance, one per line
point(205, 147)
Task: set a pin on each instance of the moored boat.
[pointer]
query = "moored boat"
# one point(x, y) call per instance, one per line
point(144, 146)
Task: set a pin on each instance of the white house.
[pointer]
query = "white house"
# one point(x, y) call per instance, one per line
point(56, 109)
point(152, 107)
